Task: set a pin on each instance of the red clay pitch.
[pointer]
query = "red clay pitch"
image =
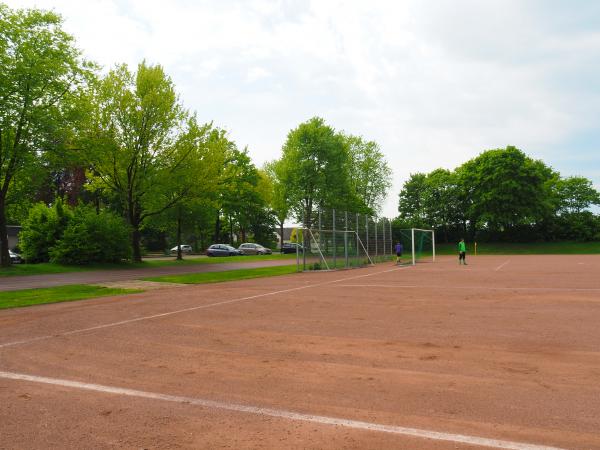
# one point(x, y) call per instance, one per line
point(501, 353)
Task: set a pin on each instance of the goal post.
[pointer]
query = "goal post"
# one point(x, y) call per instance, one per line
point(419, 244)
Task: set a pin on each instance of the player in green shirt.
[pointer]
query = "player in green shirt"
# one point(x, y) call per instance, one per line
point(462, 251)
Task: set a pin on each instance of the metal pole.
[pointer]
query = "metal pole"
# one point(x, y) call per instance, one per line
point(320, 241)
point(391, 239)
point(433, 243)
point(346, 240)
point(412, 236)
point(334, 244)
point(367, 234)
point(376, 241)
point(357, 241)
point(304, 243)
point(384, 247)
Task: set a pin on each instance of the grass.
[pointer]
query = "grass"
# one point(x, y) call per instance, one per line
point(530, 248)
point(228, 275)
point(69, 293)
point(50, 268)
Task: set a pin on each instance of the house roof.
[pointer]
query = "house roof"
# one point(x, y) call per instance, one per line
point(13, 230)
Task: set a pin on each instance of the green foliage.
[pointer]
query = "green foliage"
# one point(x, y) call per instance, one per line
point(41, 73)
point(370, 175)
point(42, 229)
point(501, 194)
point(92, 238)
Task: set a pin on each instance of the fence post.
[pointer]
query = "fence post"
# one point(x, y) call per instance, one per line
point(357, 242)
point(376, 240)
point(320, 241)
point(383, 232)
point(304, 243)
point(367, 234)
point(346, 240)
point(334, 243)
point(391, 239)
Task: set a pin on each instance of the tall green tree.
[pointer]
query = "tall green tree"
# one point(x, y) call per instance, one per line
point(139, 139)
point(575, 194)
point(370, 174)
point(315, 168)
point(505, 187)
point(41, 70)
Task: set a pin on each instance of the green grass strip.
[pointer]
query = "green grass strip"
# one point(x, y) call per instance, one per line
point(49, 268)
point(531, 248)
point(68, 293)
point(228, 275)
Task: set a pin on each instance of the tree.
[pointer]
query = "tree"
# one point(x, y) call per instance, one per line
point(314, 166)
point(505, 188)
point(280, 203)
point(411, 205)
point(41, 70)
point(139, 140)
point(370, 175)
point(575, 194)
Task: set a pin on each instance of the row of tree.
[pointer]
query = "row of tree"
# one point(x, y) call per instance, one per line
point(501, 194)
point(124, 143)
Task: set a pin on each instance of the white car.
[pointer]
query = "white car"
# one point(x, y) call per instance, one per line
point(184, 249)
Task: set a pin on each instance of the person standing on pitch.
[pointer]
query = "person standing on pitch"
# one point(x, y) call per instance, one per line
point(398, 252)
point(462, 251)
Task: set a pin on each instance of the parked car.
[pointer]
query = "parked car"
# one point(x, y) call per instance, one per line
point(222, 250)
point(184, 249)
point(15, 258)
point(254, 249)
point(291, 247)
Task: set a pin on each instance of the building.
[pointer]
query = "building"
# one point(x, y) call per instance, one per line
point(13, 236)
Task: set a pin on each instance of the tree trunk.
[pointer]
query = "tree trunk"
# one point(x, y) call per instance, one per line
point(4, 257)
point(179, 257)
point(135, 243)
point(217, 227)
point(281, 235)
point(230, 231)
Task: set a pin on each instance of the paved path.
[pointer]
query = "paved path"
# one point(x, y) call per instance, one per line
point(102, 276)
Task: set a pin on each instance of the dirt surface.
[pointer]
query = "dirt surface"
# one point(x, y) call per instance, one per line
point(506, 348)
point(105, 276)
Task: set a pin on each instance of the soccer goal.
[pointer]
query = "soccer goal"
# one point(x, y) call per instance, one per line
point(418, 245)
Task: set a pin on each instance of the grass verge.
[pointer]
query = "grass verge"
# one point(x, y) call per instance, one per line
point(228, 275)
point(50, 268)
point(530, 248)
point(69, 293)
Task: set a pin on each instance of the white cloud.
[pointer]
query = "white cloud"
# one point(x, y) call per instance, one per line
point(433, 83)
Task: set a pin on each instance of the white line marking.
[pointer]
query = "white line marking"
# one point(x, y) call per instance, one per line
point(281, 413)
point(193, 308)
point(487, 288)
point(501, 266)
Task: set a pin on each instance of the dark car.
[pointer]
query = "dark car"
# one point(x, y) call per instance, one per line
point(222, 250)
point(291, 247)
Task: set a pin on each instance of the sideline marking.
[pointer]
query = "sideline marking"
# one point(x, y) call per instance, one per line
point(281, 413)
point(193, 308)
point(501, 266)
point(487, 288)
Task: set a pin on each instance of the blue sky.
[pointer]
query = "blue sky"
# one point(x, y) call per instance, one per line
point(433, 82)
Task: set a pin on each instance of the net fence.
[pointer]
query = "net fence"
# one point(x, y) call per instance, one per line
point(339, 239)
point(418, 245)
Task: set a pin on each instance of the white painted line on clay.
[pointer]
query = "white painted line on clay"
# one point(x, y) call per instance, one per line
point(193, 308)
point(486, 288)
point(501, 266)
point(281, 413)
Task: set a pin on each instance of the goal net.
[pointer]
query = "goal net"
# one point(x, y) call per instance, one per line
point(333, 249)
point(418, 245)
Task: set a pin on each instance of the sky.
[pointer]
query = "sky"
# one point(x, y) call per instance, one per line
point(434, 83)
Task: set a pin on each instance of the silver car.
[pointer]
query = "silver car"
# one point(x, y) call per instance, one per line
point(254, 249)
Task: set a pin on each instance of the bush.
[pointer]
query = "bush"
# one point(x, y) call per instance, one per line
point(90, 237)
point(43, 227)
